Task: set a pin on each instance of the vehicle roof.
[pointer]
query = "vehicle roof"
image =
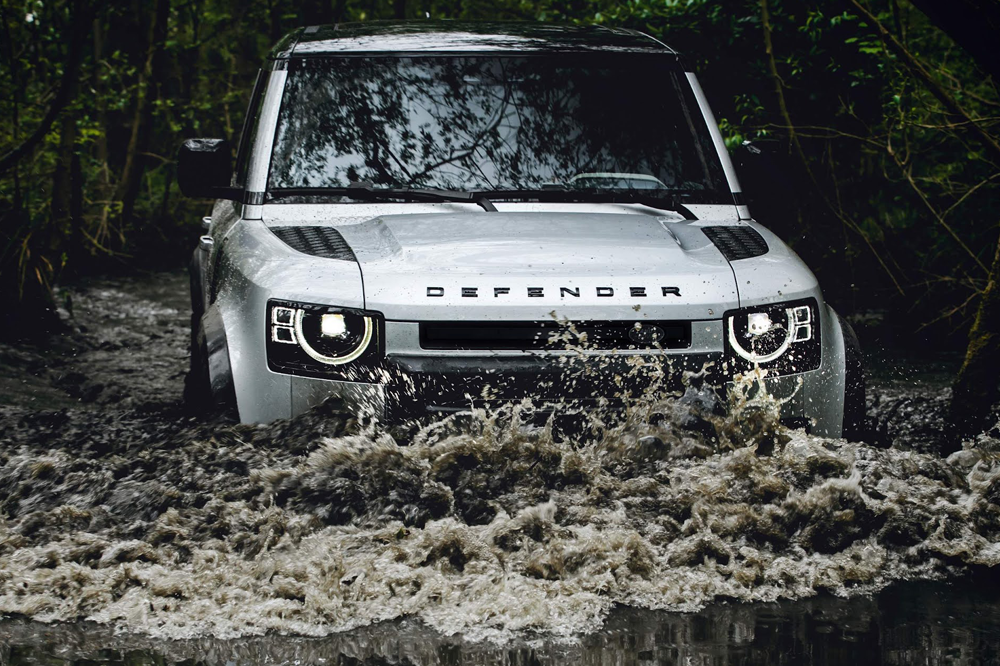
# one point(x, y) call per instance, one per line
point(432, 36)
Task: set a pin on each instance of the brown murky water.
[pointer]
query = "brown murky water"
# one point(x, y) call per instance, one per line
point(909, 623)
point(483, 541)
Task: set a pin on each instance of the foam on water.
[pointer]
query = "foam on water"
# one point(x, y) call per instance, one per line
point(492, 525)
point(483, 525)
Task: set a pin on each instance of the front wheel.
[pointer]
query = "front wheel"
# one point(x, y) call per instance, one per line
point(201, 396)
point(197, 386)
point(204, 394)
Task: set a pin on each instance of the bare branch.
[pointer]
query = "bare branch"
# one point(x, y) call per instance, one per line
point(923, 197)
point(920, 72)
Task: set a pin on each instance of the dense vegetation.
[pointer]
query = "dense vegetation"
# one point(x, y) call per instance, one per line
point(885, 123)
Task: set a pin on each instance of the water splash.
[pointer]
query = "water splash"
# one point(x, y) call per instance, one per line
point(494, 524)
point(481, 526)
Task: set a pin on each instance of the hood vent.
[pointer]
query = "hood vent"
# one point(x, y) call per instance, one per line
point(737, 242)
point(323, 242)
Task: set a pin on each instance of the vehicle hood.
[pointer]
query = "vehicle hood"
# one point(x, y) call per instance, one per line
point(532, 265)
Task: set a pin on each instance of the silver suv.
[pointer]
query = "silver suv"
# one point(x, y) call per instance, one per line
point(426, 216)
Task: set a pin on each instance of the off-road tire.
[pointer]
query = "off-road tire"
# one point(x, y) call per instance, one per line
point(199, 396)
point(197, 389)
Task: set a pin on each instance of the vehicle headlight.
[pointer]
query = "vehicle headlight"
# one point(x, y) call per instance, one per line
point(783, 337)
point(320, 340)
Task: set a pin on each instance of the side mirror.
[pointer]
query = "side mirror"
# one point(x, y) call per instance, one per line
point(204, 168)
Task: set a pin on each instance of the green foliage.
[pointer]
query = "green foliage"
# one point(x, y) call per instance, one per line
point(890, 191)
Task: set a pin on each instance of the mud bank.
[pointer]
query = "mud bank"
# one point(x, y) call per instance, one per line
point(118, 508)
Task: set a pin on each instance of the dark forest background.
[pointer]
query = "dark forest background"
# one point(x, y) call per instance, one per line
point(883, 112)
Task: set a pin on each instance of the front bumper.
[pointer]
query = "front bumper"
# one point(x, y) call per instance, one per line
point(429, 387)
point(422, 383)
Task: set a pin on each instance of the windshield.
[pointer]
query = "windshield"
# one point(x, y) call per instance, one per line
point(494, 124)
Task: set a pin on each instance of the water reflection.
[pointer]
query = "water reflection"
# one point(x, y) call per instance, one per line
point(494, 123)
point(926, 623)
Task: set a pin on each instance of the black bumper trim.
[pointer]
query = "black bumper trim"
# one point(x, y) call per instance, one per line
point(434, 384)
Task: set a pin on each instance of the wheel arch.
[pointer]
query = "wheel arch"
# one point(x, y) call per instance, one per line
point(855, 417)
point(215, 349)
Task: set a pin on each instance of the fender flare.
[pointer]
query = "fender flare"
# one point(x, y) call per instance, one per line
point(214, 346)
point(855, 417)
point(209, 384)
point(196, 275)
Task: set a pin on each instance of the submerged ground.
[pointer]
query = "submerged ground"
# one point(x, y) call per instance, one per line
point(118, 508)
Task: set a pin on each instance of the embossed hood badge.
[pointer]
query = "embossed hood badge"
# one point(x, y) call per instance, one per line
point(574, 292)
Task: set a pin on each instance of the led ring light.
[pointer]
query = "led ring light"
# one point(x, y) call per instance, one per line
point(330, 360)
point(754, 357)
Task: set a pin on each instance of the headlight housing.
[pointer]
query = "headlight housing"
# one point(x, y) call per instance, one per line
point(323, 341)
point(783, 338)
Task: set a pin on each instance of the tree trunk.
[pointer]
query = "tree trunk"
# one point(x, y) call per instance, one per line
point(274, 19)
point(61, 209)
point(77, 257)
point(15, 107)
point(101, 140)
point(975, 390)
point(127, 191)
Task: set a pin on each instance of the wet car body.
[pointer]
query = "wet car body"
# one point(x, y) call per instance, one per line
point(416, 257)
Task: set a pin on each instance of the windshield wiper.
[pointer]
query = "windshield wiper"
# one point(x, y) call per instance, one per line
point(367, 192)
point(663, 201)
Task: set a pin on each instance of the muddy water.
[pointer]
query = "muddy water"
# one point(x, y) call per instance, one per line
point(925, 623)
point(116, 508)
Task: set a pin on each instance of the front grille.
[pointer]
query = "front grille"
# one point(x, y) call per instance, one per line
point(737, 242)
point(448, 383)
point(599, 335)
point(323, 242)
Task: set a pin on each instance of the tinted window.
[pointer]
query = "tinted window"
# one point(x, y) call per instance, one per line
point(488, 123)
